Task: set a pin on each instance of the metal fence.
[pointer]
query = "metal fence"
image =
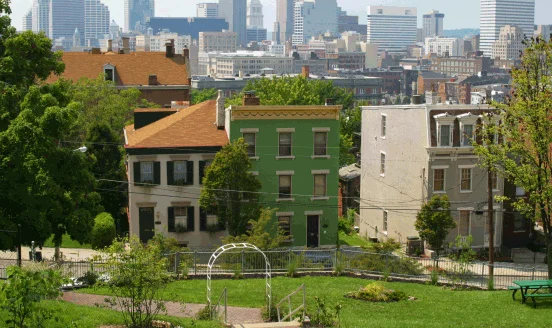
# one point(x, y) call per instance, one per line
point(312, 260)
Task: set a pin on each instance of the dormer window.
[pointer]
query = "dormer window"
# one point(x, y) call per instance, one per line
point(109, 72)
point(445, 124)
point(467, 122)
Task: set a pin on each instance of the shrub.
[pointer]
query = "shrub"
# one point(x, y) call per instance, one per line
point(375, 262)
point(376, 292)
point(388, 246)
point(90, 278)
point(344, 225)
point(137, 274)
point(204, 313)
point(23, 292)
point(104, 231)
point(269, 317)
point(324, 317)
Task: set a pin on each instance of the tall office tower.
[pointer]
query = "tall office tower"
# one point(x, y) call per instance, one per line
point(498, 13)
point(393, 29)
point(543, 31)
point(136, 14)
point(41, 16)
point(255, 16)
point(314, 17)
point(65, 17)
point(207, 9)
point(433, 24)
point(235, 13)
point(509, 43)
point(28, 21)
point(283, 27)
point(96, 22)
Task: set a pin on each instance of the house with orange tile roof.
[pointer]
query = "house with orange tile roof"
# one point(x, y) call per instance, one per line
point(162, 77)
point(168, 150)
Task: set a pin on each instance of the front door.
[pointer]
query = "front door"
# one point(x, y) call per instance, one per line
point(312, 231)
point(147, 230)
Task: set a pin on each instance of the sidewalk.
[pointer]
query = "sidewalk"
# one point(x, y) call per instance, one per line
point(174, 309)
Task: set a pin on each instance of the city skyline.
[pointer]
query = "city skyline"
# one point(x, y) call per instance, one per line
point(466, 13)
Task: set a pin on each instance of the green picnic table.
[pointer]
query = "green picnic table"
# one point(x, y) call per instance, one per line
point(524, 286)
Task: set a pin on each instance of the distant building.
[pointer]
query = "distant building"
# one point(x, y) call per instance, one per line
point(65, 17)
point(27, 21)
point(207, 10)
point(186, 25)
point(136, 14)
point(543, 31)
point(218, 41)
point(283, 26)
point(96, 22)
point(393, 29)
point(314, 17)
point(444, 46)
point(41, 16)
point(255, 34)
point(243, 63)
point(346, 23)
point(498, 13)
point(235, 13)
point(429, 81)
point(455, 66)
point(433, 24)
point(509, 44)
point(255, 16)
point(157, 43)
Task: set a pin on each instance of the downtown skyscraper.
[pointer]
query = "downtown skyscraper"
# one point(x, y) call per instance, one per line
point(235, 14)
point(136, 14)
point(96, 22)
point(65, 17)
point(283, 27)
point(393, 29)
point(499, 13)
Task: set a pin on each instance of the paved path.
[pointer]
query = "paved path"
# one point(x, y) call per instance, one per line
point(174, 309)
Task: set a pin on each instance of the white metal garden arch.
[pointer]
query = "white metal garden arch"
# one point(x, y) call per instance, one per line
point(224, 248)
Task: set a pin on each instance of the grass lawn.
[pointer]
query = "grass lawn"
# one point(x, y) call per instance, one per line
point(66, 242)
point(353, 240)
point(71, 315)
point(435, 307)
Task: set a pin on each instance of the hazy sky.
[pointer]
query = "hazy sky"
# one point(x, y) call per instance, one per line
point(458, 13)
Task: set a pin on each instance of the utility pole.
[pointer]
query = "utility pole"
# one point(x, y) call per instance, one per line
point(490, 214)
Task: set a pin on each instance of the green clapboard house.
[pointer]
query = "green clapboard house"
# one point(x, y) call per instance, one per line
point(295, 153)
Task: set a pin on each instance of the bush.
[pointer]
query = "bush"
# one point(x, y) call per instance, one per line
point(23, 292)
point(104, 231)
point(375, 262)
point(324, 317)
point(376, 292)
point(388, 246)
point(204, 313)
point(90, 278)
point(344, 225)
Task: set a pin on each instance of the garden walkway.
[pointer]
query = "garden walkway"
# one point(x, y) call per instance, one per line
point(235, 314)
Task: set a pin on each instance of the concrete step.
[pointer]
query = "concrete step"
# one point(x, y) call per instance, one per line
point(287, 324)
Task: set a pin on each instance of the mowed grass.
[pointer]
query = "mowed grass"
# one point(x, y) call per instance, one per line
point(66, 242)
point(70, 315)
point(434, 307)
point(353, 240)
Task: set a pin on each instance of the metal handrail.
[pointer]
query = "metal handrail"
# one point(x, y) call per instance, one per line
point(216, 307)
point(288, 297)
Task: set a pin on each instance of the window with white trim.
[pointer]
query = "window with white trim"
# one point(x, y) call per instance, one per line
point(468, 134)
point(284, 144)
point(464, 223)
point(320, 185)
point(284, 186)
point(465, 179)
point(382, 164)
point(181, 216)
point(320, 143)
point(180, 171)
point(284, 224)
point(445, 135)
point(439, 180)
point(250, 140)
point(146, 172)
point(383, 125)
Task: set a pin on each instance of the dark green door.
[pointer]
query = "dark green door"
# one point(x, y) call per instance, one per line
point(312, 231)
point(147, 230)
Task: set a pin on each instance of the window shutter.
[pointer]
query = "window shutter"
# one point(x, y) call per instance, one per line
point(202, 219)
point(156, 173)
point(191, 218)
point(170, 173)
point(190, 172)
point(136, 166)
point(201, 171)
point(171, 220)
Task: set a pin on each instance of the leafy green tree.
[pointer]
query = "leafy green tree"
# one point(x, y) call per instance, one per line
point(199, 96)
point(346, 156)
point(109, 169)
point(434, 221)
point(524, 153)
point(230, 190)
point(104, 231)
point(260, 233)
point(295, 91)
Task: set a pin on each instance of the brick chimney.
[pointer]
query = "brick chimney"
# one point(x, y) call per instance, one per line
point(169, 53)
point(109, 45)
point(305, 71)
point(126, 45)
point(186, 53)
point(249, 99)
point(221, 116)
point(152, 80)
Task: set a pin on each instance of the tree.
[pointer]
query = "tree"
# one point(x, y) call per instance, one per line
point(260, 233)
point(346, 157)
point(104, 231)
point(109, 171)
point(230, 190)
point(434, 221)
point(199, 96)
point(524, 126)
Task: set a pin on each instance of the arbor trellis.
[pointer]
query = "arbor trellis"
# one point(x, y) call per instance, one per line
point(227, 247)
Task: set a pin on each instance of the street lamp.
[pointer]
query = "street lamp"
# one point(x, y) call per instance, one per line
point(82, 149)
